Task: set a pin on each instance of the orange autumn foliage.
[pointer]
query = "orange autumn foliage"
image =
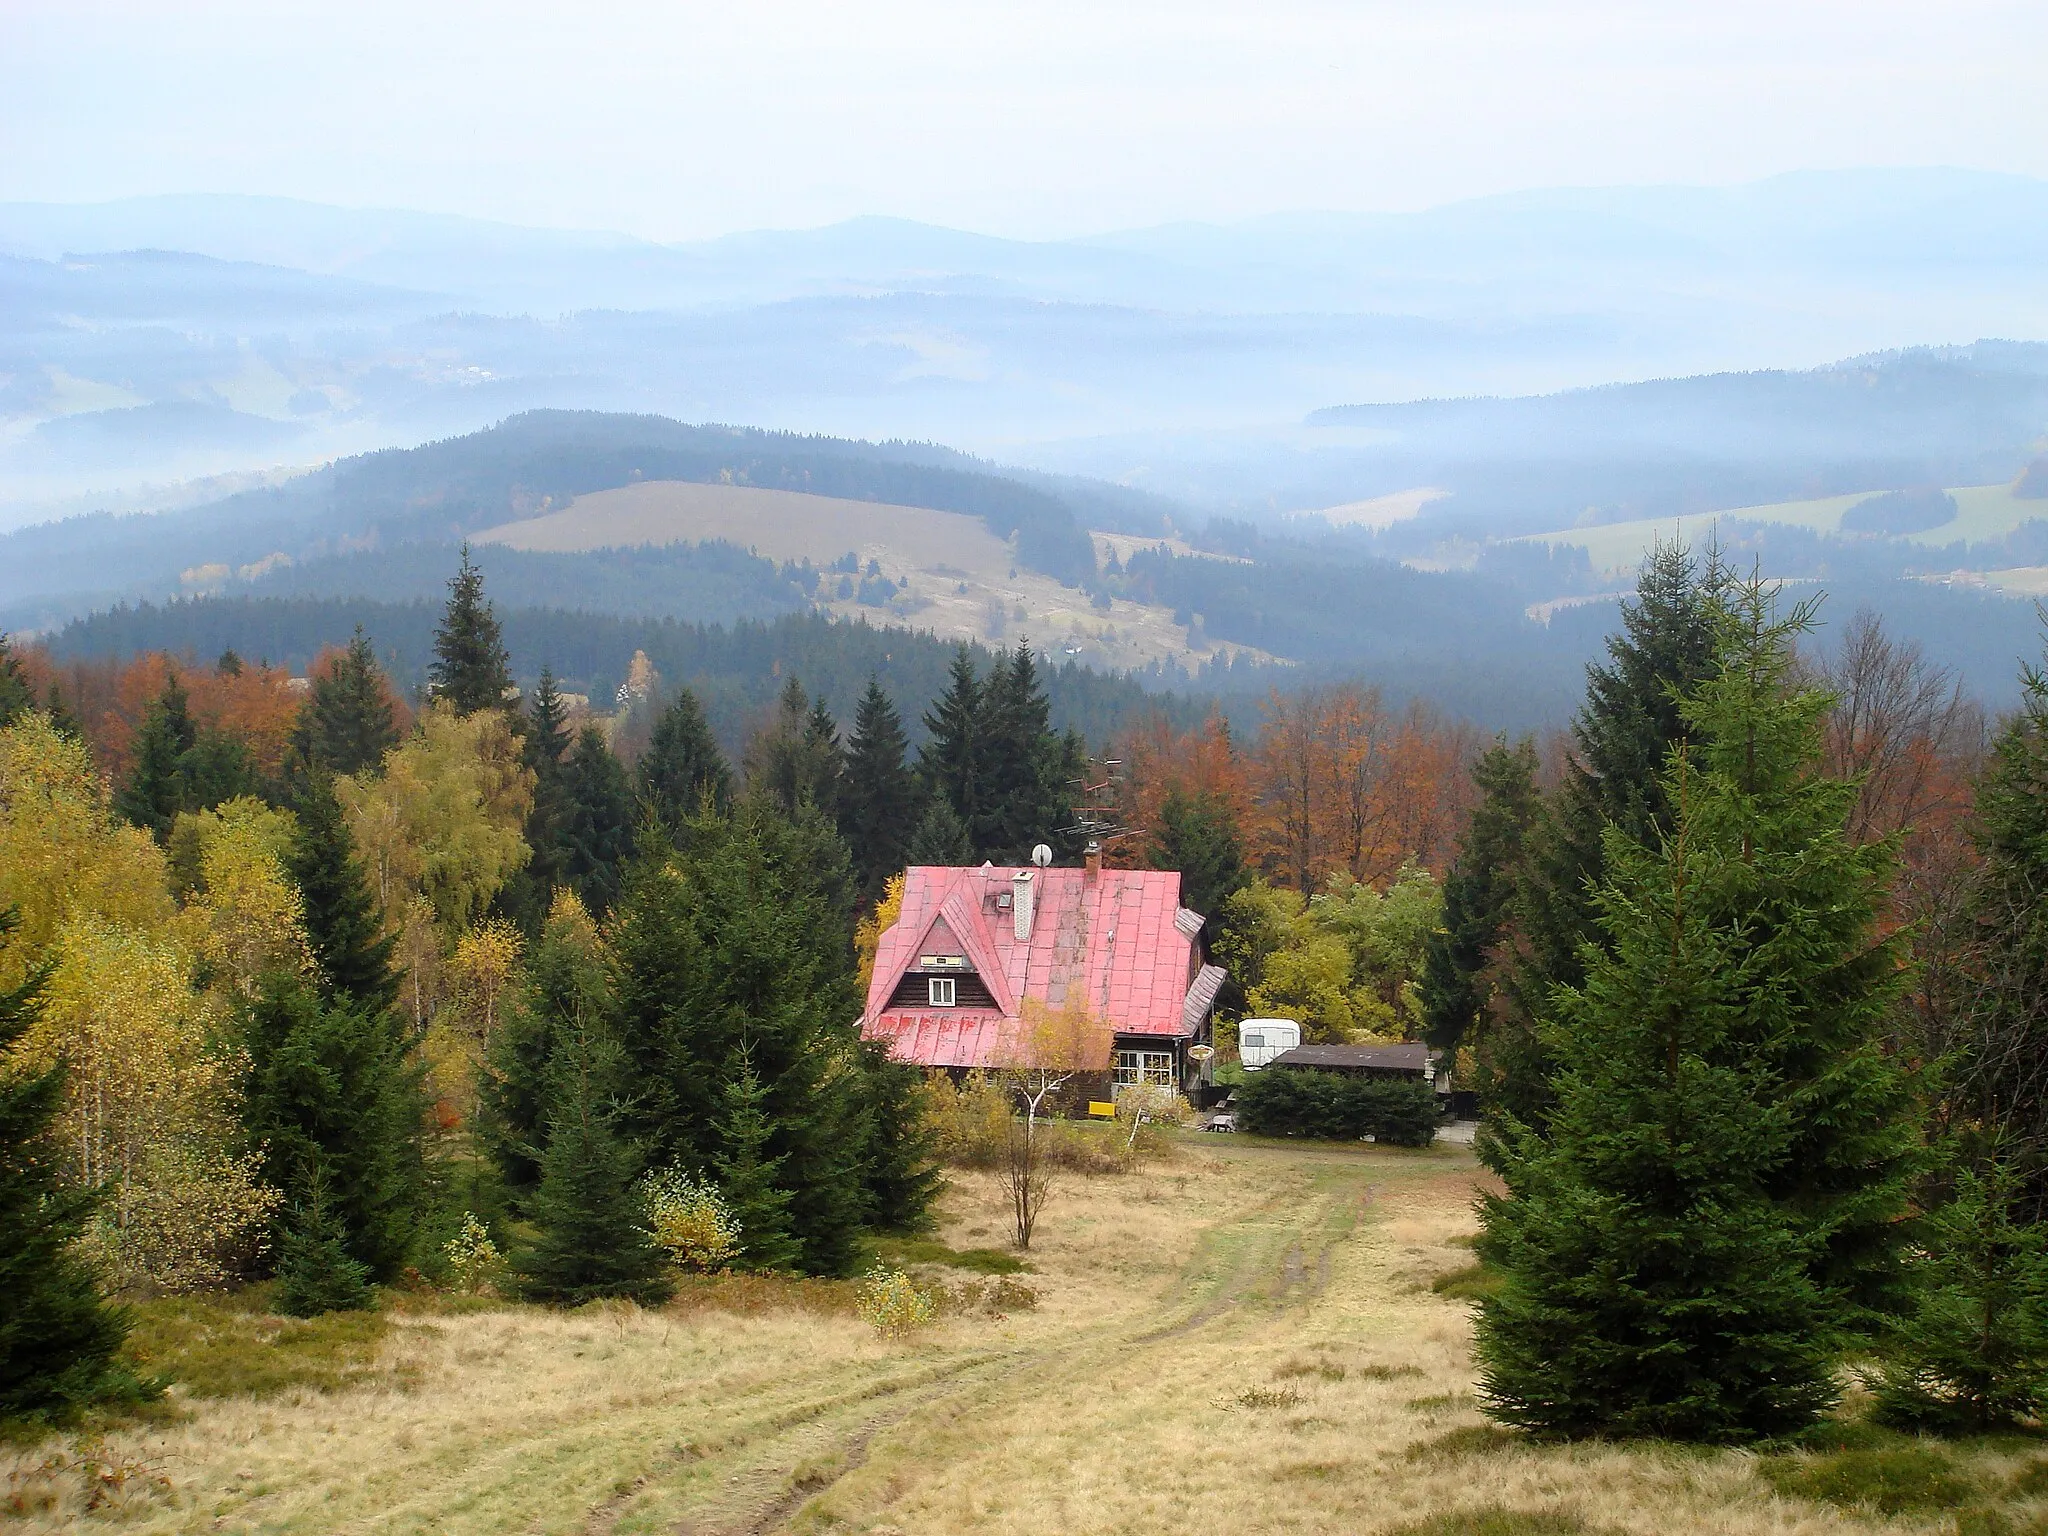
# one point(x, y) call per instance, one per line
point(1158, 761)
point(111, 699)
point(1340, 782)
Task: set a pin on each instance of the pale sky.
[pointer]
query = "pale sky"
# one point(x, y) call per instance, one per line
point(682, 119)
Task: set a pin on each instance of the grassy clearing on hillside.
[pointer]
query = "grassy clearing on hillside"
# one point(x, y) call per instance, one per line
point(1250, 1339)
point(1982, 512)
point(960, 580)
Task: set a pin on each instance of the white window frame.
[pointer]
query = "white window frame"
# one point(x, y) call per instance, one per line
point(1154, 1067)
point(941, 991)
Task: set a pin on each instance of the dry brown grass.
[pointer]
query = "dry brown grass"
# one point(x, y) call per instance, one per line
point(1245, 1339)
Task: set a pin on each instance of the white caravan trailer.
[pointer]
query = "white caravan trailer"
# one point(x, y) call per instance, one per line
point(1260, 1040)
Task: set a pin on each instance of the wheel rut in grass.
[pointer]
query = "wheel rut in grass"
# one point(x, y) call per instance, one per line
point(1260, 1257)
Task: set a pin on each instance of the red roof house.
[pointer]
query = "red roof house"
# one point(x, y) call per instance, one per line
point(971, 945)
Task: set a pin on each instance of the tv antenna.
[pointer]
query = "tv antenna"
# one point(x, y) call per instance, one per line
point(1097, 813)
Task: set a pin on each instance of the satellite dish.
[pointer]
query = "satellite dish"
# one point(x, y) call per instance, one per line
point(1042, 855)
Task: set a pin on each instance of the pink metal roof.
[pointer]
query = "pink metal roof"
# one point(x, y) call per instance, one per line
point(1120, 945)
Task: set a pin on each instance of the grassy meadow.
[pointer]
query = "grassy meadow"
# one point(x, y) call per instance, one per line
point(1243, 1336)
point(964, 582)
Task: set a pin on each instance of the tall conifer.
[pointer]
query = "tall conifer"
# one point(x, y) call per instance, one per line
point(878, 795)
point(596, 835)
point(346, 724)
point(1651, 1285)
point(1478, 894)
point(682, 765)
point(334, 1099)
point(470, 668)
point(1024, 769)
point(349, 946)
point(563, 981)
point(1717, 1206)
point(1998, 1074)
point(58, 1336)
point(750, 947)
point(1621, 740)
point(747, 1170)
point(154, 791)
point(953, 759)
point(1822, 979)
point(592, 1240)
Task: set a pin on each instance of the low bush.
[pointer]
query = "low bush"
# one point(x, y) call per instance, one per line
point(1335, 1106)
point(1471, 1283)
point(1892, 1481)
point(234, 1346)
point(898, 1251)
point(892, 1303)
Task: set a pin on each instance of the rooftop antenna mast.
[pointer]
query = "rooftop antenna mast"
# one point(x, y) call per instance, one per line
point(1097, 814)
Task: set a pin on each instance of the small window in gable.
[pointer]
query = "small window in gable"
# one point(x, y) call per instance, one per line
point(940, 991)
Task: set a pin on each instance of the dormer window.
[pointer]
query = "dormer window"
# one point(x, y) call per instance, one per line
point(940, 990)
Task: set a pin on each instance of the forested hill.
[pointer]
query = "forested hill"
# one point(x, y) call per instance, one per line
point(526, 464)
point(735, 670)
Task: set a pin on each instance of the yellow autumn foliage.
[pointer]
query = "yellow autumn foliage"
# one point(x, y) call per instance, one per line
point(443, 820)
point(247, 915)
point(62, 852)
point(867, 933)
point(150, 1108)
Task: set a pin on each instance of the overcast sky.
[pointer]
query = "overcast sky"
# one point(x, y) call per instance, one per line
point(675, 119)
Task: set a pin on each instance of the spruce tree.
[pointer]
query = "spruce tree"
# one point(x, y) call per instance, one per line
point(154, 791)
point(316, 1271)
point(564, 980)
point(1025, 768)
point(952, 761)
point(1806, 901)
point(1997, 1080)
point(470, 668)
point(545, 742)
point(878, 795)
point(349, 946)
point(346, 725)
point(1651, 1285)
point(795, 759)
point(682, 765)
point(1197, 835)
point(745, 936)
point(1971, 1352)
point(592, 1240)
point(1621, 740)
point(17, 697)
point(58, 1336)
point(596, 832)
point(939, 838)
point(900, 1168)
point(1478, 893)
point(334, 1099)
point(1717, 1206)
point(746, 1173)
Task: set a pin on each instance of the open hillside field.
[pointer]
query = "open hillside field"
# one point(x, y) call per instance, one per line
point(953, 576)
point(1245, 1338)
point(1982, 512)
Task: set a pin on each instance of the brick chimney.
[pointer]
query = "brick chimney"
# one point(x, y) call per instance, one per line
point(1023, 894)
point(1093, 862)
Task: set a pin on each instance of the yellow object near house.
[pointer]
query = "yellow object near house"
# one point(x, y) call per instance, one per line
point(1101, 1111)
